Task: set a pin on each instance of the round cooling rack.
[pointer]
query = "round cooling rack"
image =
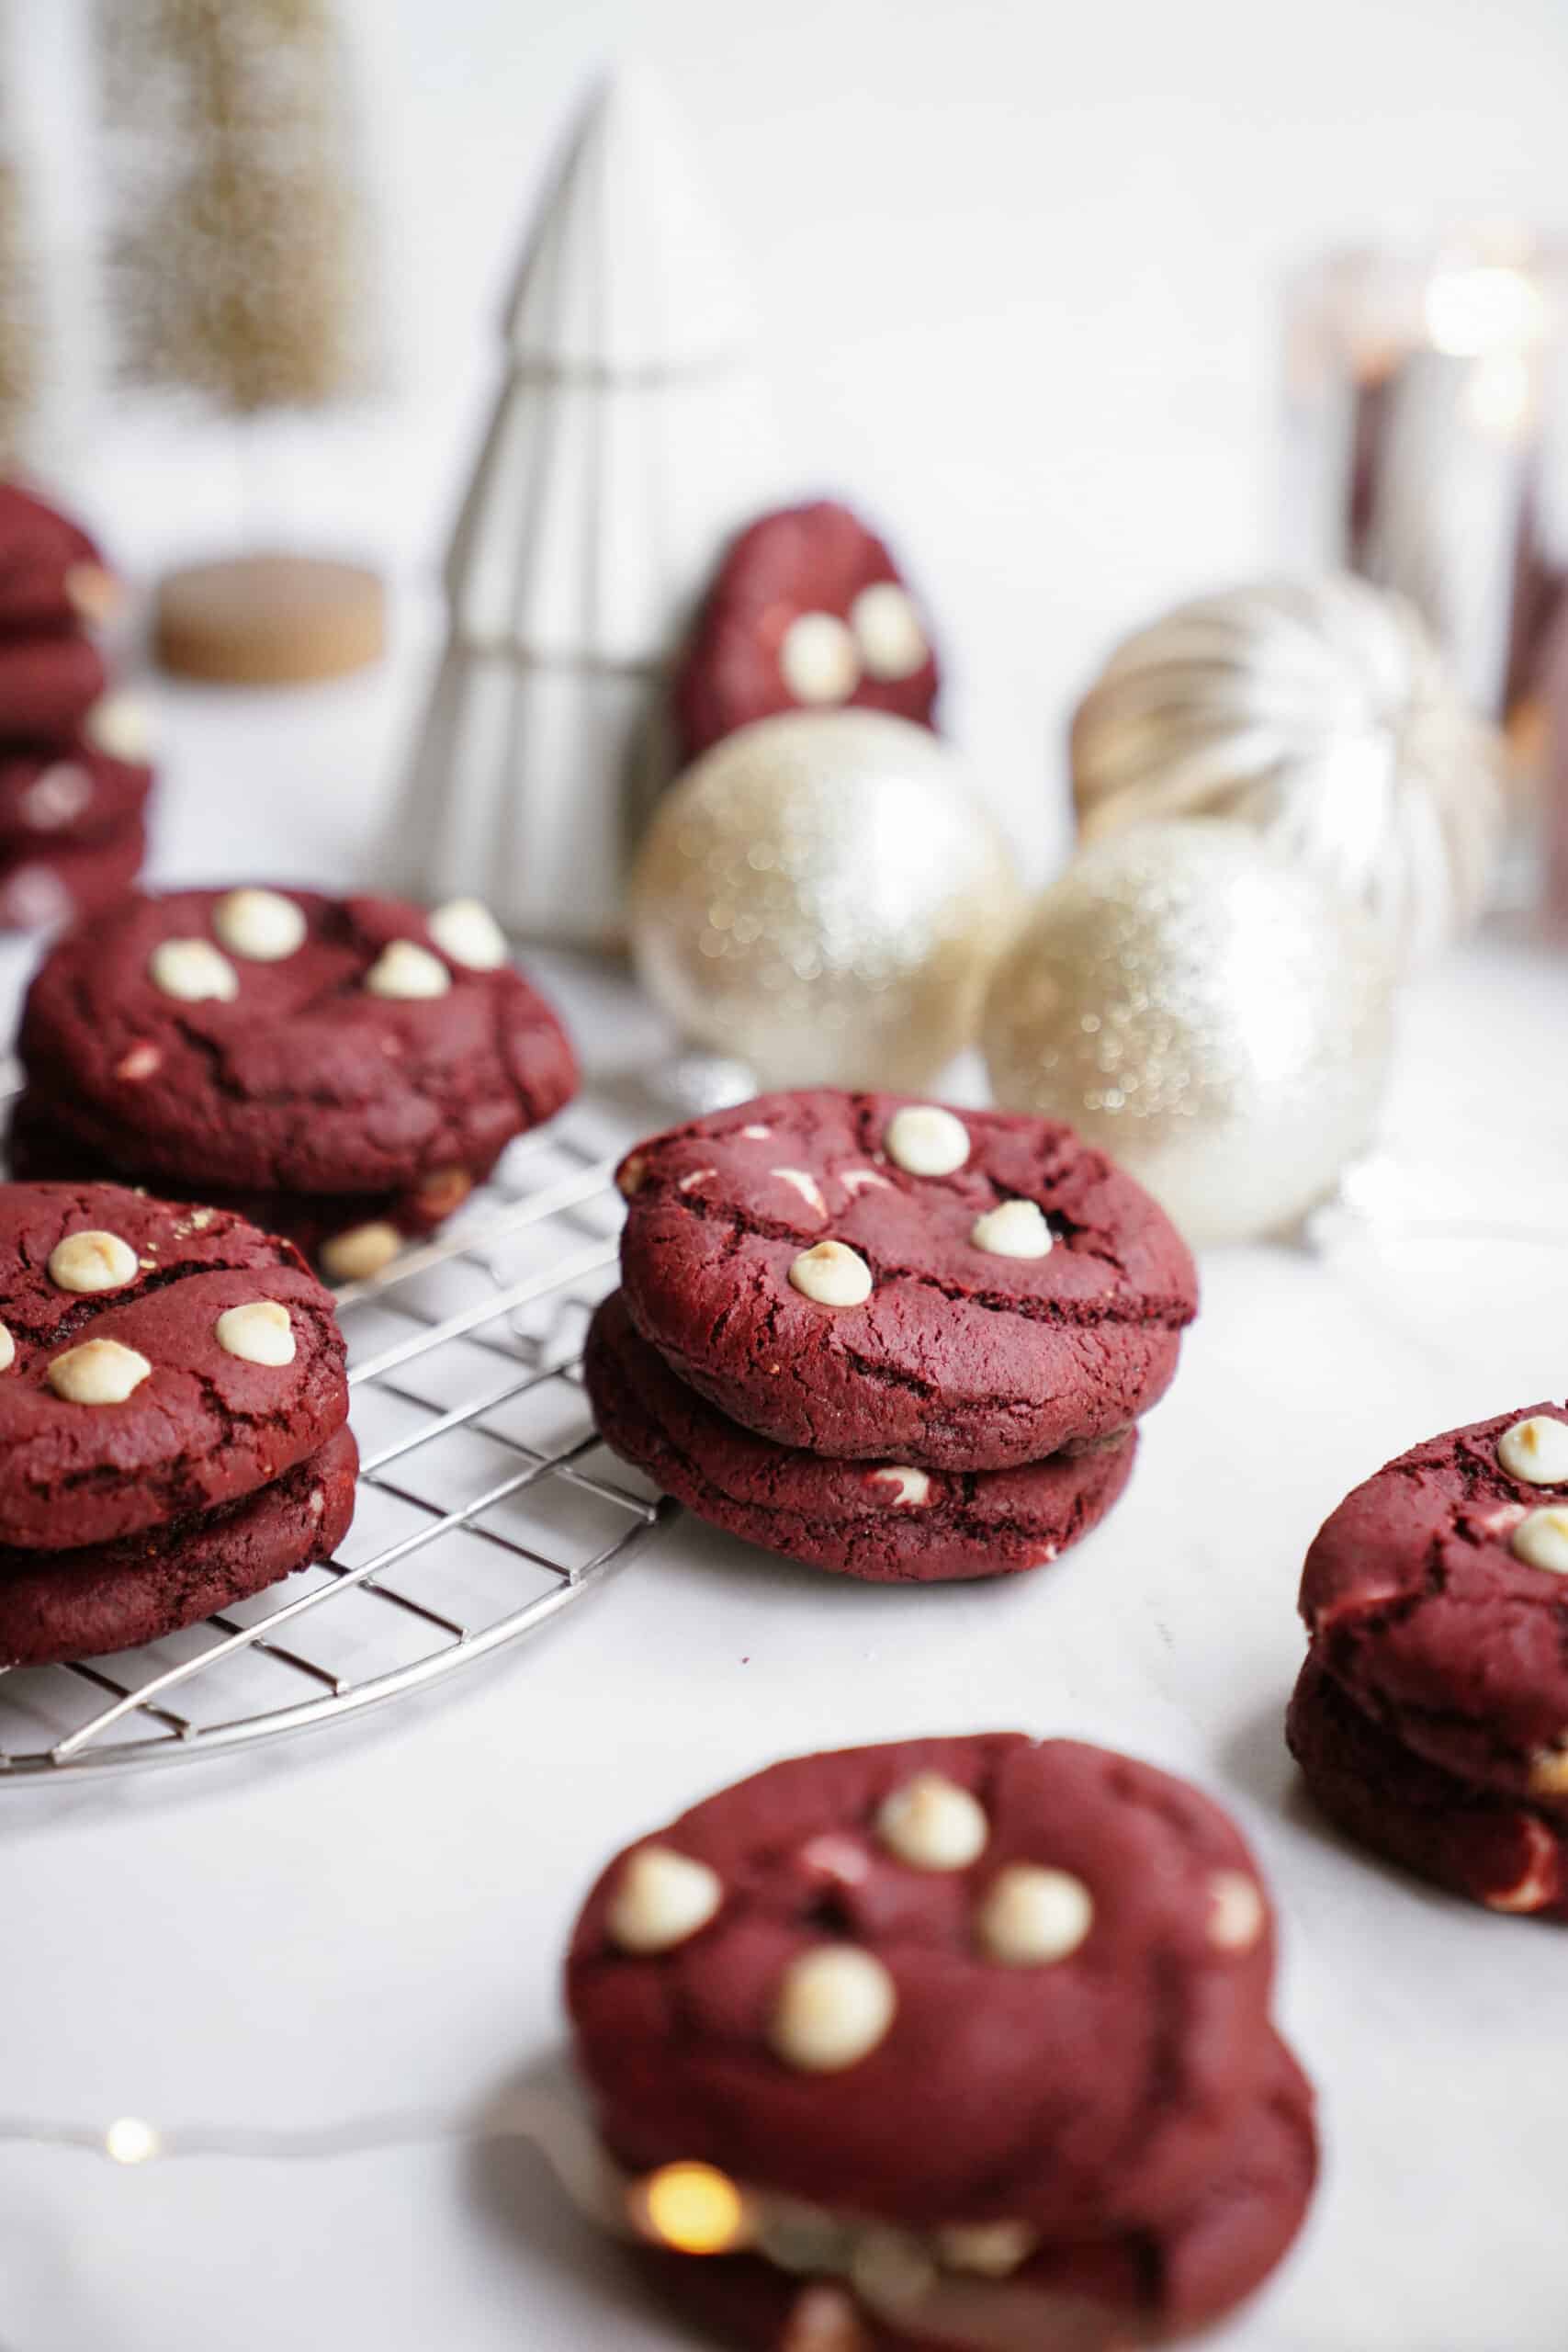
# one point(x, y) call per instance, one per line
point(486, 1503)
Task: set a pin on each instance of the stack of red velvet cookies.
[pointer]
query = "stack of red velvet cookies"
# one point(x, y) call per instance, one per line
point(173, 1418)
point(340, 1070)
point(74, 772)
point(956, 2043)
point(886, 1336)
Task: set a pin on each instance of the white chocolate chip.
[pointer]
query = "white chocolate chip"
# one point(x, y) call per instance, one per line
point(100, 1371)
point(834, 2005)
point(818, 660)
point(833, 1275)
point(662, 1898)
point(363, 1250)
point(887, 630)
point(91, 1261)
point(689, 1183)
point(193, 971)
point(57, 798)
point(259, 1332)
point(92, 593)
point(1538, 1882)
point(467, 931)
point(1032, 1917)
point(1235, 1911)
point(891, 2271)
point(138, 1064)
point(7, 1350)
point(823, 2319)
point(318, 1501)
point(909, 1485)
point(405, 970)
point(261, 925)
point(988, 2249)
point(1549, 1772)
point(857, 1180)
point(119, 726)
point(1536, 1450)
point(1015, 1229)
point(806, 1185)
point(630, 1173)
point(1540, 1539)
point(933, 1824)
point(756, 1135)
point(925, 1140)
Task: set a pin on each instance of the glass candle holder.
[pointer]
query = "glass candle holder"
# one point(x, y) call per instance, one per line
point(1423, 393)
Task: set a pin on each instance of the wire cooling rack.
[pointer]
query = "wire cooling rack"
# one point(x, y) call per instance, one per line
point(486, 1503)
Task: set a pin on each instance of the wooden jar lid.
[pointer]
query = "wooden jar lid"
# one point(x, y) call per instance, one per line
point(269, 620)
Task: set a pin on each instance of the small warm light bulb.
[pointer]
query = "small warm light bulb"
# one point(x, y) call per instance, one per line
point(693, 2207)
point(131, 2140)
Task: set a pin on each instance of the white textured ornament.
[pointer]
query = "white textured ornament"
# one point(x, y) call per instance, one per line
point(821, 897)
point(573, 571)
point(1318, 711)
point(1214, 1017)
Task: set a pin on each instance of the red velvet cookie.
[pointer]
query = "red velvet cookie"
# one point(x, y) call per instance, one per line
point(51, 574)
point(74, 795)
point(61, 1605)
point(48, 685)
point(808, 611)
point(861, 1276)
point(155, 1363)
point(270, 1044)
point(1435, 1596)
point(1509, 1856)
point(41, 887)
point(890, 1523)
point(939, 1984)
point(1090, 2294)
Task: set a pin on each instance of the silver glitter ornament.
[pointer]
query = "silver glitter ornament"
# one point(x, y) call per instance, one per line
point(1319, 711)
point(821, 897)
point(1213, 1016)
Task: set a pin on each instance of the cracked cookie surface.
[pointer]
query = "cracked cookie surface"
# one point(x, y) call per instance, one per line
point(886, 1523)
point(1054, 1963)
point(977, 1342)
point(362, 1060)
point(156, 1418)
point(1420, 1606)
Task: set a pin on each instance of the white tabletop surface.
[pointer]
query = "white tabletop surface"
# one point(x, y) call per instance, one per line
point(372, 1915)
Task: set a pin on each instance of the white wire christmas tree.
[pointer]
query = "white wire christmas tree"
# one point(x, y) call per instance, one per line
point(632, 435)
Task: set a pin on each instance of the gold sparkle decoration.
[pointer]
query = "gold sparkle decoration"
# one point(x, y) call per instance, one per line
point(1319, 711)
point(18, 325)
point(821, 897)
point(1213, 1016)
point(236, 259)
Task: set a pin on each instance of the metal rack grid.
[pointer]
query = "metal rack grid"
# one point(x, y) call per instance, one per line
point(486, 1504)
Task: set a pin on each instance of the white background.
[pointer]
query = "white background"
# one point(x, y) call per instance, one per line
point(1020, 266)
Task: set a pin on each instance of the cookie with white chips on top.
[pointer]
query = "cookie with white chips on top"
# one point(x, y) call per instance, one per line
point(863, 1275)
point(344, 1071)
point(173, 1417)
point(1437, 1600)
point(949, 2017)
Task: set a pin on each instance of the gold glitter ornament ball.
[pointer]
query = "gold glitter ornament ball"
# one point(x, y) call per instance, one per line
point(1212, 1015)
point(821, 897)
